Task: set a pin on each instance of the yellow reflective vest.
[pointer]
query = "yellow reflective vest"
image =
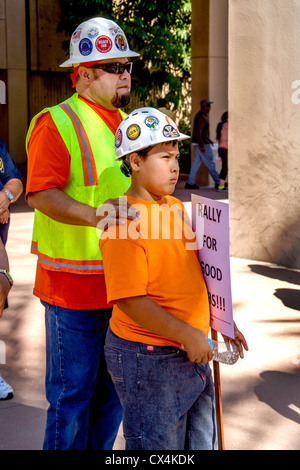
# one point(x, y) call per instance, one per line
point(94, 177)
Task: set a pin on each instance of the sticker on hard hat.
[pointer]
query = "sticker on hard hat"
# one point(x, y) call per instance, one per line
point(103, 44)
point(85, 46)
point(152, 122)
point(120, 42)
point(133, 132)
point(93, 33)
point(76, 35)
point(170, 131)
point(118, 139)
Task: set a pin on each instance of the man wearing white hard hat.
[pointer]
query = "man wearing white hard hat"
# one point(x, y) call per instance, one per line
point(71, 172)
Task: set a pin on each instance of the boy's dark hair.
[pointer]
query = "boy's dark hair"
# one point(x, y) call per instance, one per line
point(144, 152)
point(220, 125)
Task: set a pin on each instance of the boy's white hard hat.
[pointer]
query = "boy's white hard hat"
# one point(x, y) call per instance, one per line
point(97, 39)
point(144, 127)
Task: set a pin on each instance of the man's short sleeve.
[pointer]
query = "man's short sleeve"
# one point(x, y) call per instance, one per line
point(48, 157)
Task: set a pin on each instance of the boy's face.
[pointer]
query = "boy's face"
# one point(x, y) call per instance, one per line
point(157, 173)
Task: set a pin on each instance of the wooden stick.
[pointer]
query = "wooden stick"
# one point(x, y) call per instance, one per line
point(218, 397)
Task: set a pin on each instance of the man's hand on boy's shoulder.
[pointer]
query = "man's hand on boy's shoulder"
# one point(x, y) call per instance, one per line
point(115, 212)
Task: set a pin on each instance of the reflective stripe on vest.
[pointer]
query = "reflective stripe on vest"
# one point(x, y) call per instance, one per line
point(87, 157)
point(71, 266)
point(94, 177)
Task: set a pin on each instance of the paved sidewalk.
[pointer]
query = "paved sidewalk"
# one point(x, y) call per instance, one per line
point(260, 394)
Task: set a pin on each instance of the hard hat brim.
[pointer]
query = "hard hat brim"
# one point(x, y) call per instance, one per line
point(70, 62)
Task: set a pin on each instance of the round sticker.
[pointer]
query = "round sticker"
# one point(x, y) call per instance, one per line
point(118, 139)
point(152, 122)
point(76, 35)
point(133, 132)
point(85, 46)
point(103, 44)
point(92, 33)
point(170, 131)
point(120, 42)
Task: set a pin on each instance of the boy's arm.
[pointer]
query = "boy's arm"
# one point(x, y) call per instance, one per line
point(151, 316)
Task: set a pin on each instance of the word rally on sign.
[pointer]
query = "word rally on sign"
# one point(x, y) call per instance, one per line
point(209, 213)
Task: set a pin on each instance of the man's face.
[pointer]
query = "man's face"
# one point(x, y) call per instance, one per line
point(108, 89)
point(206, 109)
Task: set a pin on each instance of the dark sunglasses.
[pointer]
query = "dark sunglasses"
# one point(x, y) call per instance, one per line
point(114, 67)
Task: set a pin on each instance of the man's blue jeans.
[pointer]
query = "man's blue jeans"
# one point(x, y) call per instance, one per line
point(84, 411)
point(168, 401)
point(207, 158)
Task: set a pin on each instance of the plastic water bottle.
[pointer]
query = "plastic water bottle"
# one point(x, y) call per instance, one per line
point(227, 353)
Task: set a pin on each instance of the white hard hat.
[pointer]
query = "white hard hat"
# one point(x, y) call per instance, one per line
point(144, 127)
point(97, 39)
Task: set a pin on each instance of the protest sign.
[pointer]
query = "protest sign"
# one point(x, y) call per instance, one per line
point(210, 221)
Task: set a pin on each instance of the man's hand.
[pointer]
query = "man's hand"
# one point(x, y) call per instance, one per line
point(4, 203)
point(115, 212)
point(4, 290)
point(4, 217)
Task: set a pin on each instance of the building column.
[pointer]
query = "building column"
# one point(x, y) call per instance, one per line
point(16, 78)
point(264, 130)
point(209, 65)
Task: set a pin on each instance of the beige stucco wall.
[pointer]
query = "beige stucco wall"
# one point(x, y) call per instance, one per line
point(264, 126)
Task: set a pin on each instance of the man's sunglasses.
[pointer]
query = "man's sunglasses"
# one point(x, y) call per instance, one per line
point(114, 67)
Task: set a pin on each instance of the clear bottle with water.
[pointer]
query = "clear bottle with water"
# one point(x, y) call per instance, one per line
point(227, 353)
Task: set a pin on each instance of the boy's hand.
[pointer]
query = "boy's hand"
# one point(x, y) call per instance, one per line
point(197, 347)
point(239, 340)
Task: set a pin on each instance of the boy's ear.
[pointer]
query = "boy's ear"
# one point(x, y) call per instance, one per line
point(135, 160)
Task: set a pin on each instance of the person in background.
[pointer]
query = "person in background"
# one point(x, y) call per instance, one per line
point(222, 138)
point(78, 135)
point(203, 151)
point(11, 187)
point(164, 107)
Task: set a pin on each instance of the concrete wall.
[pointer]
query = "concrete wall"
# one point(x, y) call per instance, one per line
point(209, 65)
point(218, 62)
point(264, 127)
point(200, 66)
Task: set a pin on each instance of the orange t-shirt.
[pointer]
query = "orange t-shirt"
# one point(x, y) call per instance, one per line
point(155, 256)
point(48, 167)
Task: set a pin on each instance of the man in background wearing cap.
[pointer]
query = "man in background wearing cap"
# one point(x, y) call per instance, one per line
point(203, 151)
point(72, 171)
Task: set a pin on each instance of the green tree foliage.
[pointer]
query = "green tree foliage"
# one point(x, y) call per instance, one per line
point(159, 31)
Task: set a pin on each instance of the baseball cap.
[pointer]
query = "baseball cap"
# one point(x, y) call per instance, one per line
point(205, 102)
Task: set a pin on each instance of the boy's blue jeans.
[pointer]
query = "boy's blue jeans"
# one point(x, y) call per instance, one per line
point(84, 411)
point(208, 159)
point(168, 401)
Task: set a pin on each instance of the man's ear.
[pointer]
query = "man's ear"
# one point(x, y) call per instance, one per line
point(85, 74)
point(135, 161)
